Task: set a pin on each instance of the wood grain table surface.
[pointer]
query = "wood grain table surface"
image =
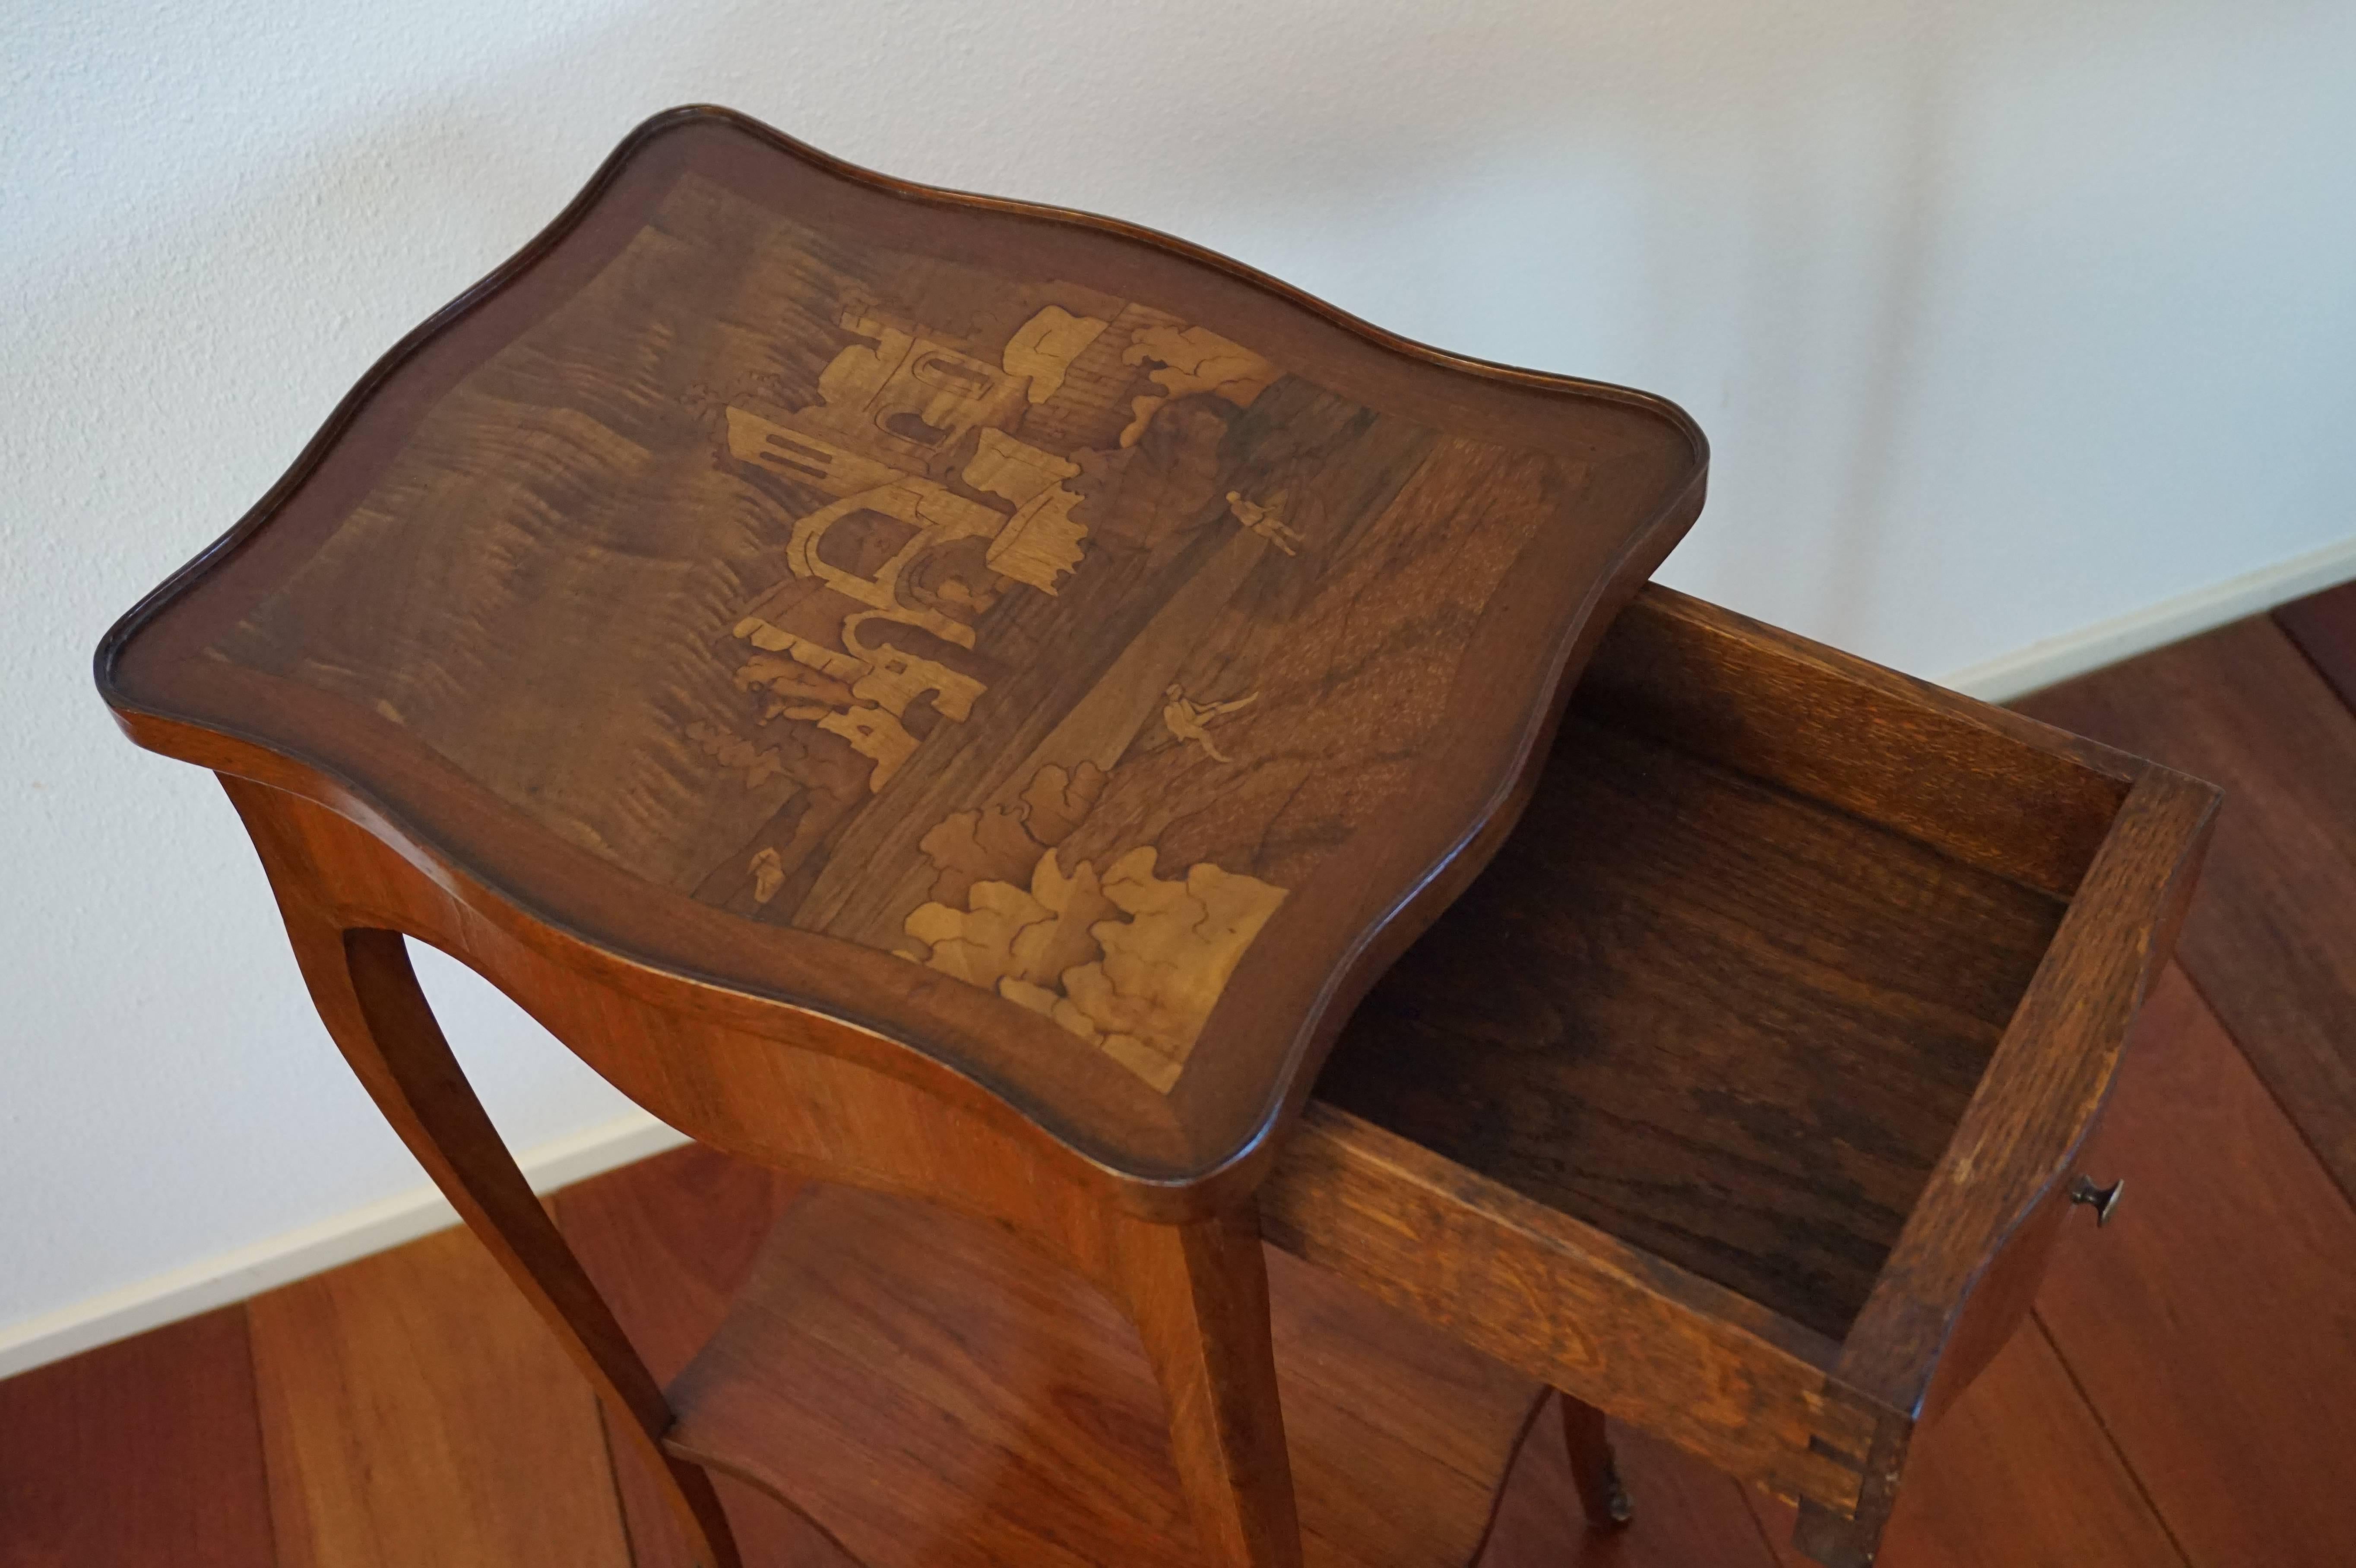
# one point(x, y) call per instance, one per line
point(1015, 633)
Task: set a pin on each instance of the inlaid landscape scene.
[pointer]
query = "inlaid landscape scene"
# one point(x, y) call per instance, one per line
point(1043, 637)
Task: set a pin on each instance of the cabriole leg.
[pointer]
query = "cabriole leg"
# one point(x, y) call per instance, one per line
point(1593, 1469)
point(1198, 1293)
point(367, 996)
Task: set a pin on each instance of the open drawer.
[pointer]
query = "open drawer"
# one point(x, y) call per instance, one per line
point(1739, 1095)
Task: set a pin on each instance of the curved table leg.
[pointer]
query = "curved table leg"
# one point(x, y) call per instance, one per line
point(1198, 1293)
point(367, 994)
point(1594, 1469)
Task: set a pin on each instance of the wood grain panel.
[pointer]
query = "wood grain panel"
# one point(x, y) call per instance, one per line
point(1730, 1025)
point(1566, 1303)
point(933, 1392)
point(2212, 1322)
point(1983, 785)
point(2017, 1475)
point(670, 1241)
point(2266, 940)
point(144, 1451)
point(416, 1412)
point(2044, 1089)
point(2324, 627)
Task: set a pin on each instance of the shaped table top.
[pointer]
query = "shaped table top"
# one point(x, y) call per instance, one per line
point(1036, 640)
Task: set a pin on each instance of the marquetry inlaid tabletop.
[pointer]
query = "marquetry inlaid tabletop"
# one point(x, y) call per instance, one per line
point(1047, 644)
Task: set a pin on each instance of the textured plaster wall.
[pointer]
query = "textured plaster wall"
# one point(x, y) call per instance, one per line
point(2004, 318)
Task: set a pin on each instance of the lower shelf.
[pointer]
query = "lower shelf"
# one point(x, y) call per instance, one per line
point(931, 1392)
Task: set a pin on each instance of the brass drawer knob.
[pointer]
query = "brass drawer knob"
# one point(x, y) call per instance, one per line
point(2103, 1199)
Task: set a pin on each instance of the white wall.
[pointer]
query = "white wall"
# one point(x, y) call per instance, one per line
point(2004, 319)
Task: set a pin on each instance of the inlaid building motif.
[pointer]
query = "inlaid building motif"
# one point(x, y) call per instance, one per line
point(914, 442)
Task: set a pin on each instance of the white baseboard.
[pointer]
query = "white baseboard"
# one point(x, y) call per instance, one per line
point(2041, 663)
point(312, 1249)
point(251, 1270)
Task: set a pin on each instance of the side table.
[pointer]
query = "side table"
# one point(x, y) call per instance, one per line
point(963, 700)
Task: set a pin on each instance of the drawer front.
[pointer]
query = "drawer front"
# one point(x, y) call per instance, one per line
point(1543, 1293)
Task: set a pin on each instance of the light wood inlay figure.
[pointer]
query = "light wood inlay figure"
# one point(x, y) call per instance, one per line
point(806, 635)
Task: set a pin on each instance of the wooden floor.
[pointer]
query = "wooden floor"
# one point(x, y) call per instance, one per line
point(2184, 1394)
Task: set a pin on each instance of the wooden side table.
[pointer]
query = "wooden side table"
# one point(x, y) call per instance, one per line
point(963, 700)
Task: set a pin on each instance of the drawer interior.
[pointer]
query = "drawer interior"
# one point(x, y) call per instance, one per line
point(1703, 1010)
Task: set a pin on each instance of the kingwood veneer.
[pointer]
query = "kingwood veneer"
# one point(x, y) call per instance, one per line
point(962, 699)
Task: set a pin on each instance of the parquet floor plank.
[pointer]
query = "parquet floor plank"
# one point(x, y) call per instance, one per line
point(2017, 1474)
point(2212, 1322)
point(2324, 626)
point(147, 1450)
point(416, 1413)
point(2271, 938)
